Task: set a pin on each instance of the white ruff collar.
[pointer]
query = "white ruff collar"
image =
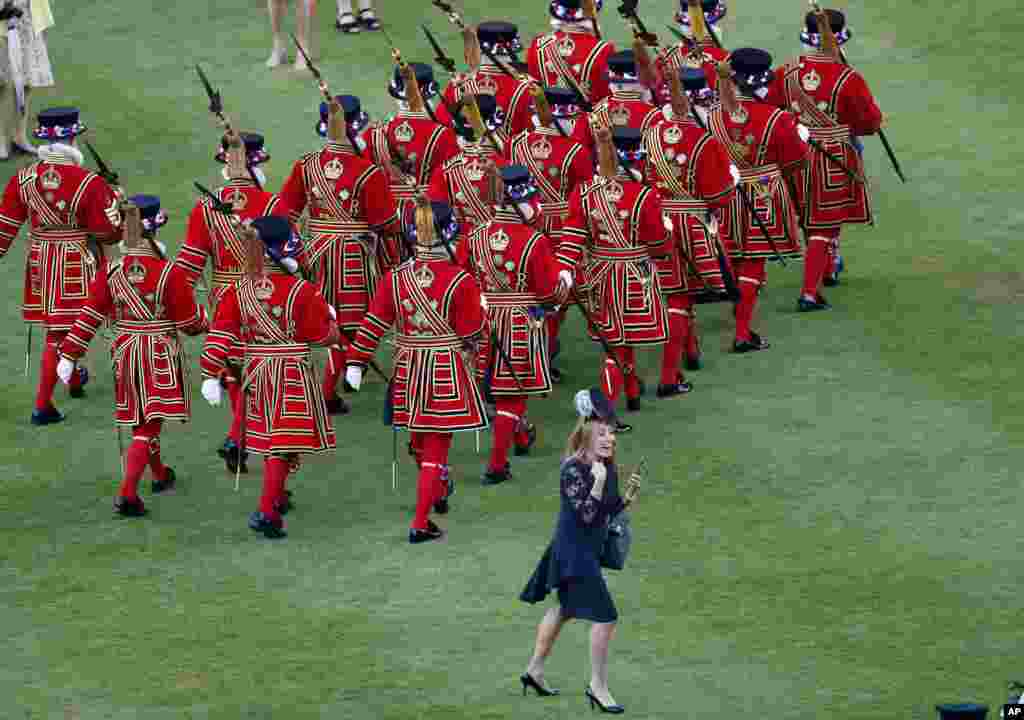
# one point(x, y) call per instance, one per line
point(61, 152)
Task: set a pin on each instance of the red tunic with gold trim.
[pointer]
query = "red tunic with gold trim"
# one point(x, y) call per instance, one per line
point(763, 143)
point(625, 108)
point(149, 301)
point(64, 205)
point(350, 208)
point(516, 268)
point(210, 236)
point(692, 171)
point(272, 321)
point(434, 307)
point(425, 144)
point(575, 53)
point(704, 55)
point(835, 104)
point(462, 183)
point(618, 223)
point(558, 165)
point(512, 96)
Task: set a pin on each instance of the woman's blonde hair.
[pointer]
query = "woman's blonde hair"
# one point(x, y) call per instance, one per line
point(581, 437)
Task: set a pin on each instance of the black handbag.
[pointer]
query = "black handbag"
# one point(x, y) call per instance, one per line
point(617, 542)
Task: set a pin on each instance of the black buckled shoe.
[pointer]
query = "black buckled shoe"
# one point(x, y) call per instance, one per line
point(621, 427)
point(755, 343)
point(633, 404)
point(531, 432)
point(433, 532)
point(818, 303)
point(368, 19)
point(679, 387)
point(496, 477)
point(337, 406)
point(285, 504)
point(78, 391)
point(270, 529)
point(49, 416)
point(167, 483)
point(346, 23)
point(130, 507)
point(229, 453)
point(694, 362)
point(556, 375)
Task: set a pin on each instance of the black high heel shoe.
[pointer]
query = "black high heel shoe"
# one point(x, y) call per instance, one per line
point(610, 709)
point(528, 682)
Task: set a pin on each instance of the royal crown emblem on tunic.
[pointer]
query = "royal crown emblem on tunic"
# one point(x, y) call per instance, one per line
point(136, 272)
point(404, 133)
point(424, 277)
point(333, 169)
point(619, 115)
point(264, 288)
point(237, 199)
point(672, 134)
point(541, 149)
point(499, 241)
point(811, 81)
point(613, 190)
point(475, 170)
point(486, 85)
point(50, 180)
point(739, 115)
point(566, 47)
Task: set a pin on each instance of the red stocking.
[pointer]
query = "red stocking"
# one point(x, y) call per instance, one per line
point(235, 396)
point(678, 336)
point(275, 472)
point(48, 370)
point(334, 370)
point(815, 265)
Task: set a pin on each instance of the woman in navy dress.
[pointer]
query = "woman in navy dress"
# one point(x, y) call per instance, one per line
point(571, 564)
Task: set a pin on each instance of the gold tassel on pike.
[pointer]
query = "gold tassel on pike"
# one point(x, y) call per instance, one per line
point(644, 67)
point(829, 46)
point(337, 128)
point(540, 103)
point(697, 27)
point(424, 222)
point(132, 236)
point(680, 102)
point(727, 88)
point(471, 49)
point(236, 159)
point(607, 164)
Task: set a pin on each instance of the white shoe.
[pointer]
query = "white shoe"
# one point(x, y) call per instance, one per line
point(278, 56)
point(5, 150)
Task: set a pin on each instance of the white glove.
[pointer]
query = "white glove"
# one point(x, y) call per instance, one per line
point(211, 391)
point(161, 246)
point(565, 277)
point(599, 472)
point(65, 368)
point(333, 312)
point(735, 172)
point(354, 376)
point(803, 132)
point(290, 264)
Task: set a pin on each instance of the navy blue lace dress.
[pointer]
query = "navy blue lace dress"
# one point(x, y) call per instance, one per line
point(572, 562)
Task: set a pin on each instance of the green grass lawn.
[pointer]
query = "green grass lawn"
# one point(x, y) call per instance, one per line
point(829, 528)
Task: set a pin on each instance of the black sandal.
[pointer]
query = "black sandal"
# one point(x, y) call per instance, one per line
point(346, 23)
point(369, 20)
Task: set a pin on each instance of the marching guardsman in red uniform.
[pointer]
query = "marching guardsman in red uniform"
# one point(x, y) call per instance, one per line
point(412, 142)
point(693, 172)
point(511, 95)
point(558, 164)
point(268, 321)
point(352, 214)
point(834, 102)
point(699, 22)
point(515, 266)
point(464, 182)
point(617, 221)
point(148, 300)
point(435, 308)
point(766, 145)
point(65, 204)
point(571, 50)
point(630, 104)
point(210, 237)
